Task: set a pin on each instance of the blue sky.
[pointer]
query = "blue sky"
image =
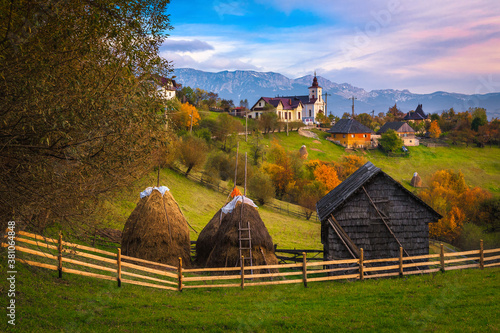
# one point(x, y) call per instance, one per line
point(423, 46)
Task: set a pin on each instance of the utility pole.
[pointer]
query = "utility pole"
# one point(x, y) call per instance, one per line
point(353, 98)
point(326, 102)
point(246, 124)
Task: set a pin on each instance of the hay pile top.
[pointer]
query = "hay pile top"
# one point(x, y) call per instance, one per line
point(232, 204)
point(147, 192)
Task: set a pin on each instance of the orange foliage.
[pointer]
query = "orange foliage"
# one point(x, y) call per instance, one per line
point(434, 130)
point(187, 110)
point(327, 175)
point(449, 195)
point(349, 164)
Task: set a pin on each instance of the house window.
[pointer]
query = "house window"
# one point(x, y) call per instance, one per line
point(310, 113)
point(343, 137)
point(279, 115)
point(260, 103)
point(290, 115)
point(364, 135)
point(298, 115)
point(352, 135)
point(286, 115)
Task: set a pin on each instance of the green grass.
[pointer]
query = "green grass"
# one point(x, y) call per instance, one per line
point(481, 166)
point(199, 204)
point(454, 301)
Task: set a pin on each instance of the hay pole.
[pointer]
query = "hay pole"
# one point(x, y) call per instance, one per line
point(242, 261)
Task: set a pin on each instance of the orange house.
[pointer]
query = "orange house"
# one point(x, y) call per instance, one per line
point(351, 134)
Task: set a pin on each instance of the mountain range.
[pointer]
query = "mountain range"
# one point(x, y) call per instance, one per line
point(251, 85)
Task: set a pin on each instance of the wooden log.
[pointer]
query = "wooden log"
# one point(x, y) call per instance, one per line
point(441, 258)
point(481, 255)
point(450, 268)
point(381, 268)
point(491, 251)
point(145, 284)
point(149, 262)
point(119, 267)
point(423, 263)
point(380, 260)
point(266, 283)
point(381, 275)
point(91, 256)
point(212, 285)
point(242, 260)
point(94, 275)
point(37, 264)
point(149, 270)
point(59, 257)
point(30, 251)
point(211, 278)
point(361, 254)
point(491, 265)
point(78, 246)
point(86, 264)
point(335, 277)
point(451, 261)
point(304, 269)
point(328, 270)
point(401, 269)
point(459, 254)
point(180, 274)
point(273, 275)
point(145, 277)
point(491, 258)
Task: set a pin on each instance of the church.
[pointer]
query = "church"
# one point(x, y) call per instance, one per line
point(293, 108)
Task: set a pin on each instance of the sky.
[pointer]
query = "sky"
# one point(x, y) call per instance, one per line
point(423, 46)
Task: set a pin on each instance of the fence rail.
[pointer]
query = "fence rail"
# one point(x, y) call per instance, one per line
point(65, 257)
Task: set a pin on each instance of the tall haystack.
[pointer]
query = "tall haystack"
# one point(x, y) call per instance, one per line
point(218, 243)
point(416, 181)
point(157, 230)
point(303, 152)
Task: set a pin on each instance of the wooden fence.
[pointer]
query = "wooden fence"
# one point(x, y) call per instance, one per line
point(65, 257)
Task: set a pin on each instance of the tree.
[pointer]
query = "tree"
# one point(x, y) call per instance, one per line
point(192, 152)
point(434, 130)
point(186, 117)
point(260, 187)
point(81, 112)
point(309, 196)
point(394, 114)
point(390, 141)
point(226, 131)
point(327, 175)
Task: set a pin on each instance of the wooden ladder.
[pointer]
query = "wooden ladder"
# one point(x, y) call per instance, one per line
point(245, 240)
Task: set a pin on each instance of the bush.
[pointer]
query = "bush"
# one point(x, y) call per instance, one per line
point(220, 164)
point(261, 188)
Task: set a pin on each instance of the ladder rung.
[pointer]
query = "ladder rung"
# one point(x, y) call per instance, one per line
point(245, 239)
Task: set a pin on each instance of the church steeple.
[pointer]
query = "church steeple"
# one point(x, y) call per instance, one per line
point(315, 91)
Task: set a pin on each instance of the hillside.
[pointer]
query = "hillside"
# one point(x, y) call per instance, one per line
point(251, 85)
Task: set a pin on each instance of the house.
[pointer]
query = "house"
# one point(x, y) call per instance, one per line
point(351, 134)
point(417, 116)
point(287, 109)
point(239, 111)
point(168, 87)
point(303, 108)
point(372, 211)
point(405, 132)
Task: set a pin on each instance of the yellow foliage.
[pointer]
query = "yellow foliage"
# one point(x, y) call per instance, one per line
point(189, 110)
point(327, 175)
point(434, 130)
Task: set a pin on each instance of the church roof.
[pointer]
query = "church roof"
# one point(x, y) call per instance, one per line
point(315, 82)
point(287, 102)
point(418, 114)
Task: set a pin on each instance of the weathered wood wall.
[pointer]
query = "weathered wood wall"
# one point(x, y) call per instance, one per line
point(407, 218)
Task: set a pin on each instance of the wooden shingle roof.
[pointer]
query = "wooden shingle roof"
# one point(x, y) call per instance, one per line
point(349, 126)
point(398, 126)
point(336, 197)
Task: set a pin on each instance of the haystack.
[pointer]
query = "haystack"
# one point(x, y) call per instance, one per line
point(157, 230)
point(303, 152)
point(416, 181)
point(218, 244)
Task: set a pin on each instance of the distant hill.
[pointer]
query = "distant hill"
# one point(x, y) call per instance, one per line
point(251, 85)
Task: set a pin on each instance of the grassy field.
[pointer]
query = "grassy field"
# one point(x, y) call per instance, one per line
point(199, 204)
point(455, 301)
point(481, 166)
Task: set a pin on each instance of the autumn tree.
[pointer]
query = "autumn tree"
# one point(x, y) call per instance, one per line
point(310, 194)
point(434, 130)
point(81, 112)
point(261, 188)
point(192, 152)
point(327, 175)
point(283, 168)
point(226, 131)
point(450, 196)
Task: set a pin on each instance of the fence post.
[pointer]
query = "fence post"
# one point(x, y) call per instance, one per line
point(304, 269)
point(119, 267)
point(442, 258)
point(361, 268)
point(481, 255)
point(59, 256)
point(180, 274)
point(401, 261)
point(242, 260)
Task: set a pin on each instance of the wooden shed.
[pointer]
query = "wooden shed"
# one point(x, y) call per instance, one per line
point(371, 210)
